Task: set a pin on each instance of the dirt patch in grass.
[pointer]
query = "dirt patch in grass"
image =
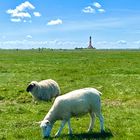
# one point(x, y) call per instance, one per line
point(109, 102)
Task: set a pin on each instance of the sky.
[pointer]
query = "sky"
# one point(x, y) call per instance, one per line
point(67, 24)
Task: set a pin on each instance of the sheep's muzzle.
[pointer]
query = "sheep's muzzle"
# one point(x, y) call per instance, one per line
point(29, 88)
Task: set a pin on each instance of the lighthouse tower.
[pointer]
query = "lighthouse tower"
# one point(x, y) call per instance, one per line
point(90, 44)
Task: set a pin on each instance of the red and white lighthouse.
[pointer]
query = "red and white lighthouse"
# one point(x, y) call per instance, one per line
point(90, 44)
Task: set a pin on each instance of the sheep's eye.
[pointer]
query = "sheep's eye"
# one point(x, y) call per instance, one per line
point(47, 123)
point(33, 85)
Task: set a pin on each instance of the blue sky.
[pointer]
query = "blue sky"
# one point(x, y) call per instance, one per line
point(69, 23)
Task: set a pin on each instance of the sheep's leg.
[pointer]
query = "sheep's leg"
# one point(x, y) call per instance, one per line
point(69, 126)
point(101, 119)
point(61, 127)
point(92, 117)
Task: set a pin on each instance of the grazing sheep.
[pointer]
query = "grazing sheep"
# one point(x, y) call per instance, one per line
point(44, 90)
point(75, 103)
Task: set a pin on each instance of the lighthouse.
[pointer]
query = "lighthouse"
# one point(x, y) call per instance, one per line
point(90, 44)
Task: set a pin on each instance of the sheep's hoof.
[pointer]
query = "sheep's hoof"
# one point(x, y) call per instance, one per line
point(102, 131)
point(56, 135)
point(45, 137)
point(70, 133)
point(89, 130)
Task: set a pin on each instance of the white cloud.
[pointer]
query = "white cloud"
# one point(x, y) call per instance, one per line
point(66, 44)
point(24, 5)
point(29, 21)
point(97, 5)
point(29, 37)
point(15, 19)
point(22, 11)
point(137, 42)
point(21, 15)
point(3, 37)
point(94, 8)
point(36, 14)
point(28, 44)
point(101, 10)
point(88, 9)
point(55, 22)
point(102, 42)
point(122, 42)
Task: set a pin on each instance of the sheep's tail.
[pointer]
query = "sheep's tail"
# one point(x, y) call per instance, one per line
point(99, 93)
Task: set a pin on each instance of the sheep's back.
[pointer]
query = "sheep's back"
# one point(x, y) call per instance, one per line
point(50, 86)
point(78, 101)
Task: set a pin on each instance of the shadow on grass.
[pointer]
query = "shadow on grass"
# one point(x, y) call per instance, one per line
point(91, 136)
point(86, 136)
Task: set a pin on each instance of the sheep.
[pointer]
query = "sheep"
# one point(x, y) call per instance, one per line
point(73, 104)
point(43, 90)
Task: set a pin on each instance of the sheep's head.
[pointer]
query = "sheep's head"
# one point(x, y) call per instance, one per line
point(31, 86)
point(46, 127)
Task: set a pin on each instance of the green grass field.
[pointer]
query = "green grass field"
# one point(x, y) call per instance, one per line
point(115, 73)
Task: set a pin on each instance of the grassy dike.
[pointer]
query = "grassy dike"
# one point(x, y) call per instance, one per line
point(116, 73)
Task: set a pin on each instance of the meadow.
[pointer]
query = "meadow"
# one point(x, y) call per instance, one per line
point(116, 73)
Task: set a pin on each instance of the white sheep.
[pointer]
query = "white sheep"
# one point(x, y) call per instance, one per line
point(43, 90)
point(75, 103)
